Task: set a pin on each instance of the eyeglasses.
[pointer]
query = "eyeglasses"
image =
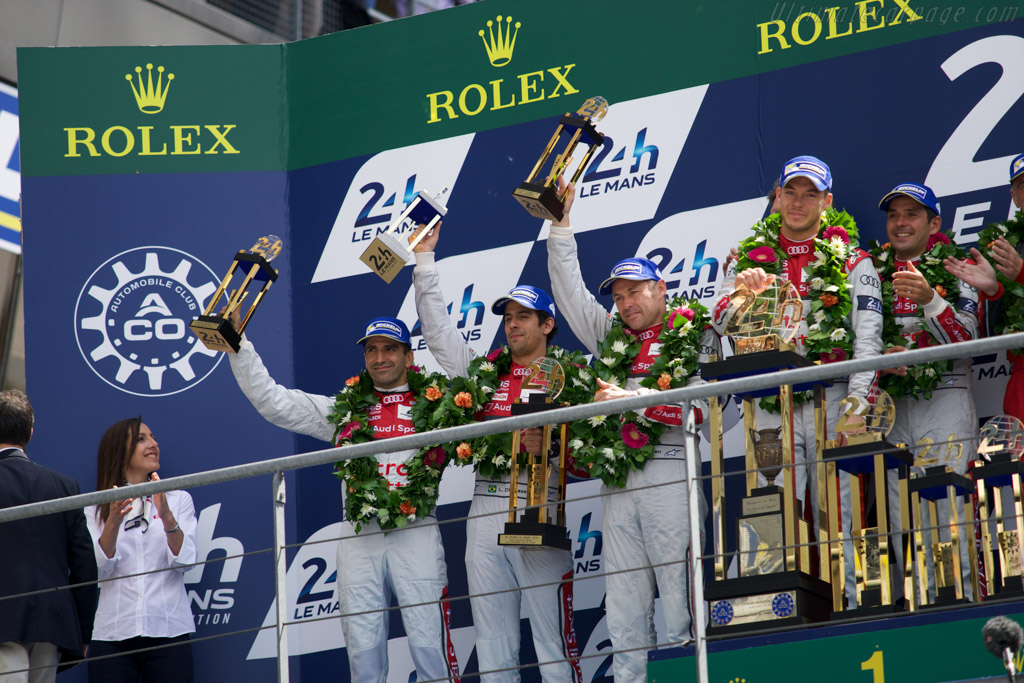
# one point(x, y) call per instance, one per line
point(137, 516)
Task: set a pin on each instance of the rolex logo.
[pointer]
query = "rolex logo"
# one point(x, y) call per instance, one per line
point(499, 51)
point(148, 96)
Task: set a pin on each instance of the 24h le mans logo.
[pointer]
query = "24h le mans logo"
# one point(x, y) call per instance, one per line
point(132, 317)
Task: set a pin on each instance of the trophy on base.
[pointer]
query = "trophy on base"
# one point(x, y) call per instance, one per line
point(541, 197)
point(387, 255)
point(535, 526)
point(776, 583)
point(997, 478)
point(216, 331)
point(866, 455)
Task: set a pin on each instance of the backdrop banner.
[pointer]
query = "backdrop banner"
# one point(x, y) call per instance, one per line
point(145, 169)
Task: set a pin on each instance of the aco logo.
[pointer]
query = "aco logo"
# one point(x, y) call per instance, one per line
point(132, 321)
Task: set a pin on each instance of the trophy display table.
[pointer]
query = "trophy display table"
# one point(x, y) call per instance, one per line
point(777, 584)
point(873, 461)
point(935, 485)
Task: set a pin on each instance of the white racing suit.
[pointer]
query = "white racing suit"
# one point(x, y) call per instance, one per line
point(938, 429)
point(646, 525)
point(407, 563)
point(500, 577)
point(866, 318)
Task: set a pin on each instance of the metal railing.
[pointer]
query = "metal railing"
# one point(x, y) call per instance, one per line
point(277, 467)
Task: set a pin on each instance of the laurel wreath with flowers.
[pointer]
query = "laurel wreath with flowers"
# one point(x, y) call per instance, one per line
point(438, 404)
point(611, 446)
point(1013, 298)
point(830, 328)
point(920, 380)
point(489, 455)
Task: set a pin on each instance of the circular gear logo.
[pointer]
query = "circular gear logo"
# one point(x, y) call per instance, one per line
point(132, 321)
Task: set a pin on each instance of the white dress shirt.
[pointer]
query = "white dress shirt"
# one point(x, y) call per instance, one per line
point(153, 605)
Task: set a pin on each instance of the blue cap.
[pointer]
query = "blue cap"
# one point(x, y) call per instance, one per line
point(1016, 167)
point(631, 269)
point(392, 328)
point(530, 297)
point(919, 193)
point(812, 168)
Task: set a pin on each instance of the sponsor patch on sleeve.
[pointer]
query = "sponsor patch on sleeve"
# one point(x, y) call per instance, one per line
point(869, 303)
point(967, 305)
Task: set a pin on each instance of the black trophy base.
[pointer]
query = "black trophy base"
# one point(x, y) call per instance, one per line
point(871, 606)
point(216, 333)
point(539, 201)
point(760, 363)
point(772, 601)
point(946, 597)
point(535, 535)
point(1012, 590)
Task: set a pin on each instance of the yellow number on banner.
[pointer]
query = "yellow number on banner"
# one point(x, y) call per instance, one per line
point(876, 666)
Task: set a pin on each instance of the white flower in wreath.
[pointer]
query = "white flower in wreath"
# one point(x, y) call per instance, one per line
point(931, 261)
point(618, 346)
point(837, 247)
point(584, 375)
point(832, 288)
point(429, 490)
point(383, 516)
point(884, 256)
point(487, 390)
point(816, 283)
point(370, 496)
point(819, 259)
point(500, 460)
point(558, 352)
point(678, 372)
point(597, 420)
point(611, 470)
point(819, 316)
point(487, 366)
point(576, 444)
point(609, 453)
point(608, 360)
point(759, 239)
point(930, 372)
point(367, 510)
point(837, 335)
point(577, 383)
point(814, 328)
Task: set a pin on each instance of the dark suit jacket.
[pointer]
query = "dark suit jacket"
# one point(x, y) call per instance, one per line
point(40, 553)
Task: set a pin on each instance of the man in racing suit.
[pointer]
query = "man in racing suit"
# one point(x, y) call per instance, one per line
point(804, 194)
point(982, 274)
point(500, 577)
point(943, 424)
point(646, 525)
point(409, 561)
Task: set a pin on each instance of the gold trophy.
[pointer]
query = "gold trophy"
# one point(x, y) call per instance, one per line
point(864, 424)
point(775, 582)
point(216, 331)
point(387, 255)
point(998, 472)
point(541, 197)
point(535, 526)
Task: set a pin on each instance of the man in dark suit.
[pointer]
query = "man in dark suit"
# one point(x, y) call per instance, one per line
point(49, 552)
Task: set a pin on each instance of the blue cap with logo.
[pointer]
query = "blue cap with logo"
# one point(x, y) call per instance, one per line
point(530, 297)
point(631, 269)
point(812, 168)
point(392, 328)
point(1016, 167)
point(919, 193)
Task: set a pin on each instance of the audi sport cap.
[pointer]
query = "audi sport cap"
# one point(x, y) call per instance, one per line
point(392, 328)
point(1016, 167)
point(530, 297)
point(920, 193)
point(631, 269)
point(812, 168)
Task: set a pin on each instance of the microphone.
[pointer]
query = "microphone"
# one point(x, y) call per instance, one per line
point(1003, 638)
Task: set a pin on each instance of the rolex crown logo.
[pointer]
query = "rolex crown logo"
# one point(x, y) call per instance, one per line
point(148, 96)
point(499, 51)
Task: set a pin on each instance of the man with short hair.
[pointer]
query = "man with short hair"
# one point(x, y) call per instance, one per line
point(45, 554)
point(800, 230)
point(407, 562)
point(496, 573)
point(646, 524)
point(1009, 262)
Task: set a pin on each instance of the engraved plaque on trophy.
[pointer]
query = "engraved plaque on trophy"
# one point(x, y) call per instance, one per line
point(534, 525)
point(540, 195)
point(216, 331)
point(387, 253)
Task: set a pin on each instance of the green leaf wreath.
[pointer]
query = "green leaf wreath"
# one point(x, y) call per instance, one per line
point(1013, 299)
point(368, 495)
point(830, 331)
point(921, 379)
point(610, 446)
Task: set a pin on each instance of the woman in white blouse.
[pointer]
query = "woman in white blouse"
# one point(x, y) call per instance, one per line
point(143, 547)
